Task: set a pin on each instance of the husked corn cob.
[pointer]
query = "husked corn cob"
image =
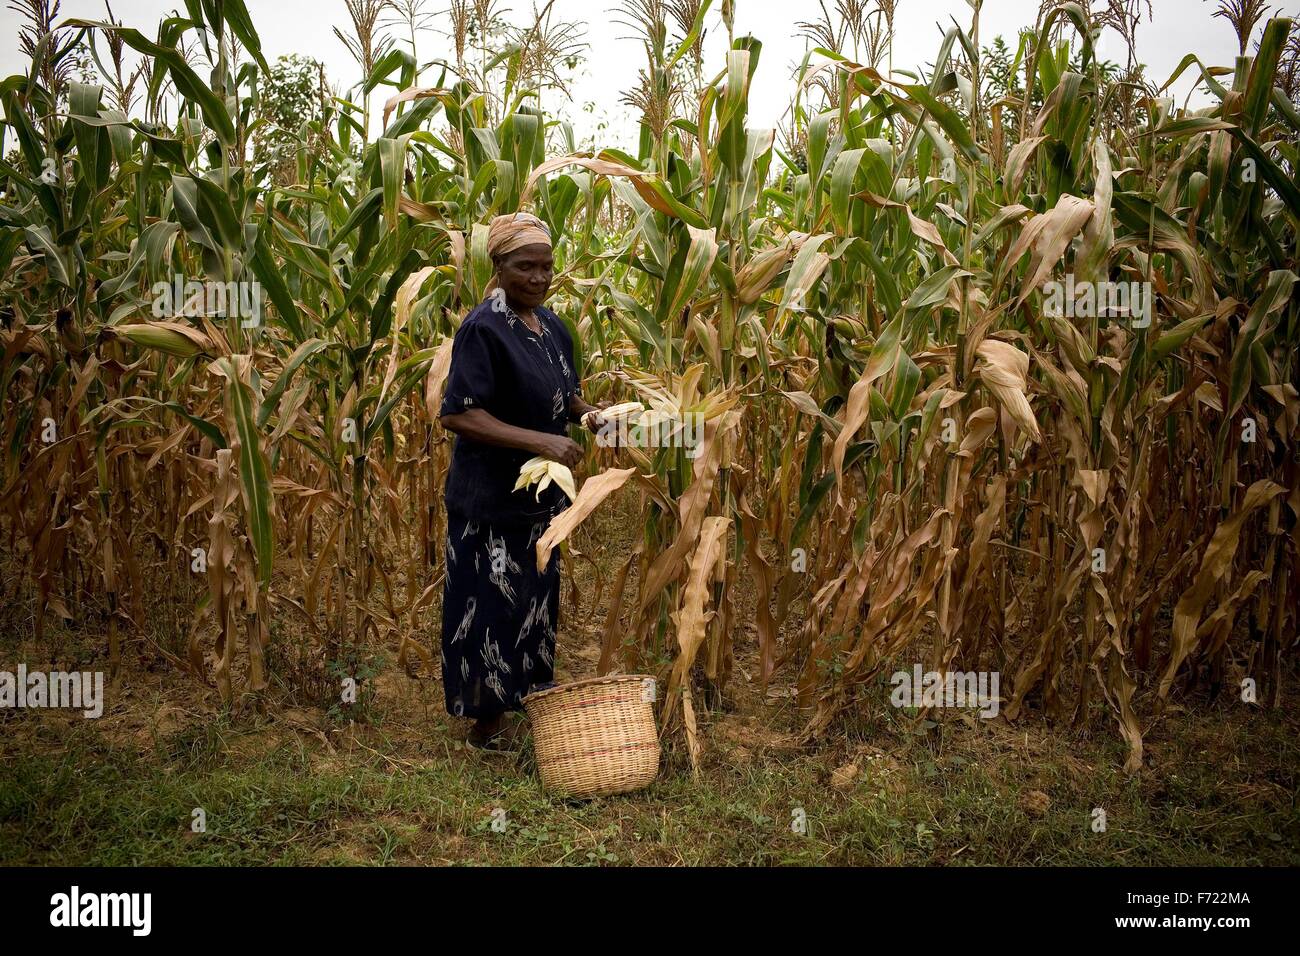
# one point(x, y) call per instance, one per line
point(628, 410)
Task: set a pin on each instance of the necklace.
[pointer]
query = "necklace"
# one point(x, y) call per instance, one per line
point(512, 317)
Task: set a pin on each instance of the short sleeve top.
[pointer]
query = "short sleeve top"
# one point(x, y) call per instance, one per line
point(500, 365)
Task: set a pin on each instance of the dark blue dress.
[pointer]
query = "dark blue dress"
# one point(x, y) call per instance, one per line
point(499, 614)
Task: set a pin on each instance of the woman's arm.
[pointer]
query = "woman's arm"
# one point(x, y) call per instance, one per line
point(479, 425)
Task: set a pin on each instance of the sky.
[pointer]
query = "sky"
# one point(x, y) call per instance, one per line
point(611, 60)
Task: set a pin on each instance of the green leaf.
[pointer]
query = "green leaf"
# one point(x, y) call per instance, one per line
point(1259, 91)
point(392, 164)
point(1276, 294)
point(933, 290)
point(300, 355)
point(241, 25)
point(270, 275)
point(254, 471)
point(40, 241)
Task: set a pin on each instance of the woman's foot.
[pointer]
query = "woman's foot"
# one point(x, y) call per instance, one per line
point(493, 733)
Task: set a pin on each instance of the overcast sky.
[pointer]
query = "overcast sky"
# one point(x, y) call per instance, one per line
point(304, 26)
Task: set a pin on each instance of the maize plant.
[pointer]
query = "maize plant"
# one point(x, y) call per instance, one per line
point(974, 393)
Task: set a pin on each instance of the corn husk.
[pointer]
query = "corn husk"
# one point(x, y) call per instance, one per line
point(541, 472)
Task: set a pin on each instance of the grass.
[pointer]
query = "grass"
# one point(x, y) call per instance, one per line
point(298, 789)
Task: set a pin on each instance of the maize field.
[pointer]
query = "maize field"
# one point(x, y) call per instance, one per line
point(997, 369)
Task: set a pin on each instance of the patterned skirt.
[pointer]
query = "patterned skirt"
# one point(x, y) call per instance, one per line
point(498, 617)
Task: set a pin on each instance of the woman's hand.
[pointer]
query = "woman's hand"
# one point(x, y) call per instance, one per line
point(559, 448)
point(594, 420)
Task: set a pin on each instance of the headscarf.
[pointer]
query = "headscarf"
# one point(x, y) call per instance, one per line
point(514, 231)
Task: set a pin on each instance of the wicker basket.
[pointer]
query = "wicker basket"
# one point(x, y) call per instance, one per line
point(595, 737)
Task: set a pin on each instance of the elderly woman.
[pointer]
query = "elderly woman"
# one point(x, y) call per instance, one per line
point(511, 394)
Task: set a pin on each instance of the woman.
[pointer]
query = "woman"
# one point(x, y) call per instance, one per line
point(511, 393)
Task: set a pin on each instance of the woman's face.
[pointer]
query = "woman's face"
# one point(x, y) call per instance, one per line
point(525, 274)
